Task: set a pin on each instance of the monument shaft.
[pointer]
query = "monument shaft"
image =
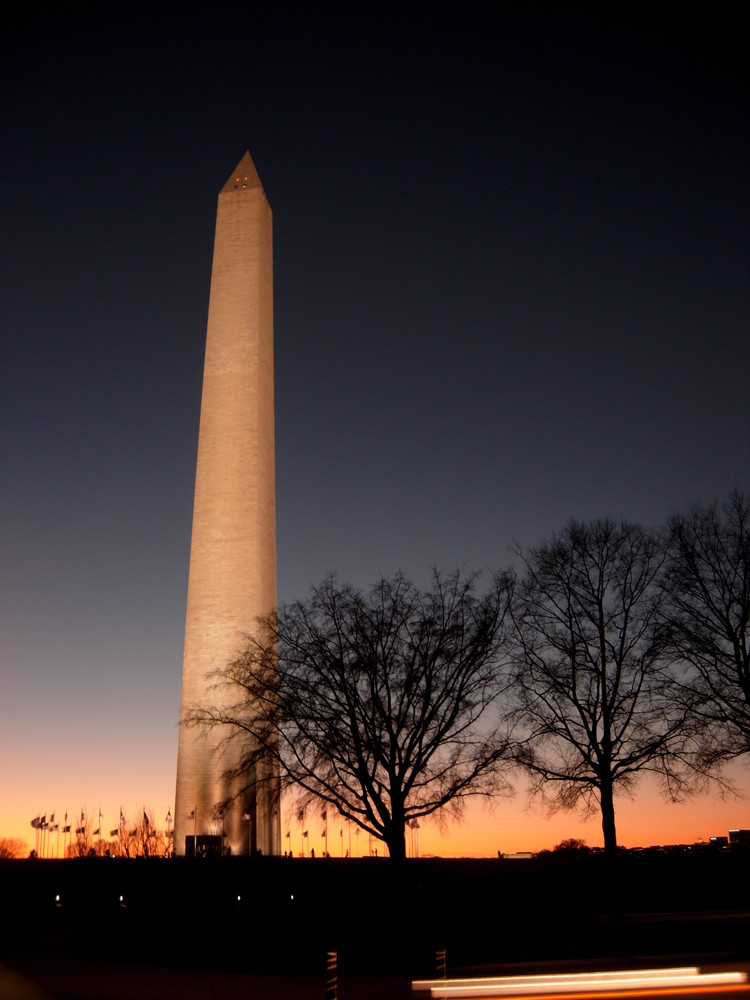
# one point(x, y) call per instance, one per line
point(232, 578)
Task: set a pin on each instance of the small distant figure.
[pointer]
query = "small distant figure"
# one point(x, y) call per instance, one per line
point(312, 852)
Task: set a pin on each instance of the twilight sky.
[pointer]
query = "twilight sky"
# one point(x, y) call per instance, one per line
point(512, 286)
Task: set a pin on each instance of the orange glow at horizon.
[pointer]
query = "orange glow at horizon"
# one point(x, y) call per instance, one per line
point(509, 827)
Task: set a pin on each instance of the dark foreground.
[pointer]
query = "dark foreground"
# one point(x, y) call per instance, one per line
point(102, 929)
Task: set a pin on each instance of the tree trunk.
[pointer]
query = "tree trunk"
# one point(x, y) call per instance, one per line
point(395, 830)
point(608, 818)
point(396, 842)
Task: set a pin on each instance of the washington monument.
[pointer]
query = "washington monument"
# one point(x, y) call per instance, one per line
point(232, 578)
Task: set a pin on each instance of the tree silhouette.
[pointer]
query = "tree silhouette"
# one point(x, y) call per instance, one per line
point(592, 690)
point(13, 847)
point(378, 704)
point(140, 837)
point(706, 613)
point(82, 843)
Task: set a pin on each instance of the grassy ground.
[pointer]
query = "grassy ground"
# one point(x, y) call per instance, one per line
point(258, 927)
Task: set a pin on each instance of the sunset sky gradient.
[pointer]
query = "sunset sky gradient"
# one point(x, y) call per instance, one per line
point(512, 286)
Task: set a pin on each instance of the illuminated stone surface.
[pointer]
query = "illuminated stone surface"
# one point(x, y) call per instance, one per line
point(232, 580)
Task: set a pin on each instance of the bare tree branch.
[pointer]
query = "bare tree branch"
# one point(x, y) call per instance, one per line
point(706, 616)
point(592, 688)
point(384, 705)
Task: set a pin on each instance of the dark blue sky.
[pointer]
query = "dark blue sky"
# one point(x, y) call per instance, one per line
point(511, 287)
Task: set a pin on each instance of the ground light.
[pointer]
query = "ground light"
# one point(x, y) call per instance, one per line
point(618, 983)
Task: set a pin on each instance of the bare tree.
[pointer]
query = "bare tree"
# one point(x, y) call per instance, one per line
point(591, 687)
point(13, 847)
point(706, 613)
point(141, 839)
point(83, 843)
point(378, 704)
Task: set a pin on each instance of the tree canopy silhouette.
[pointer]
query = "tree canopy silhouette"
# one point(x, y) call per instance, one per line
point(592, 690)
point(379, 704)
point(706, 612)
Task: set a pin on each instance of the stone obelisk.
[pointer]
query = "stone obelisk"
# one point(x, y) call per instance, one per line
point(232, 579)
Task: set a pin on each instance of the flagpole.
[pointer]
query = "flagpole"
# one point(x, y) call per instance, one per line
point(51, 844)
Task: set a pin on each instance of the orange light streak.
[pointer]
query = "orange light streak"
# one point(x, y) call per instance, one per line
point(578, 986)
point(559, 980)
point(655, 992)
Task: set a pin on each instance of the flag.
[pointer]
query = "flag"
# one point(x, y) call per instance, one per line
point(96, 832)
point(80, 829)
point(113, 833)
point(304, 833)
point(288, 834)
point(191, 814)
point(145, 818)
point(52, 818)
point(301, 815)
point(324, 815)
point(43, 820)
point(66, 829)
point(122, 817)
point(35, 822)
